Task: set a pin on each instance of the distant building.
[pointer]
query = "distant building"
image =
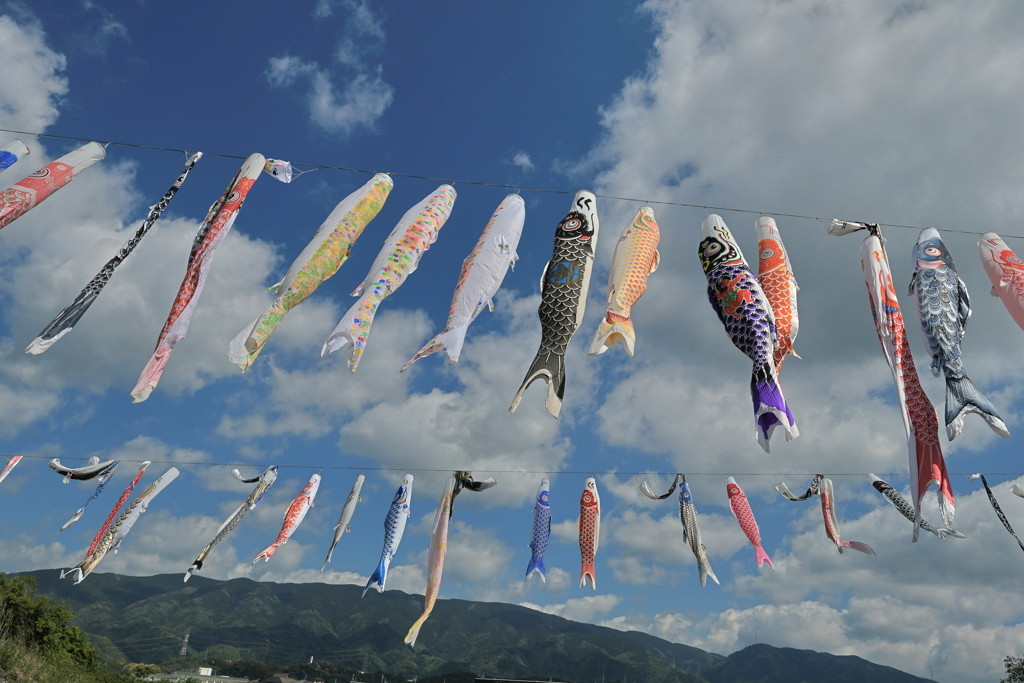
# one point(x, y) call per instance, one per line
point(204, 675)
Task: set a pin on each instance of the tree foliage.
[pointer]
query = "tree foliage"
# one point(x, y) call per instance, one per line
point(42, 624)
point(1014, 670)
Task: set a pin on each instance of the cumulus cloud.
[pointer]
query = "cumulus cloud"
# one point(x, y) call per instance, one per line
point(32, 82)
point(579, 609)
point(365, 96)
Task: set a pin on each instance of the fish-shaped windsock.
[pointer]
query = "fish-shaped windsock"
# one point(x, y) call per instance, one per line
point(927, 466)
point(117, 507)
point(775, 274)
point(636, 256)
point(397, 260)
point(998, 510)
point(590, 531)
point(11, 464)
point(482, 274)
point(821, 486)
point(212, 232)
point(435, 558)
point(93, 468)
point(741, 510)
point(944, 307)
point(69, 317)
point(104, 477)
point(741, 305)
point(30, 191)
point(328, 251)
point(118, 530)
point(11, 152)
point(691, 532)
point(1005, 271)
point(563, 298)
point(394, 527)
point(293, 517)
point(907, 510)
point(347, 511)
point(541, 532)
point(265, 481)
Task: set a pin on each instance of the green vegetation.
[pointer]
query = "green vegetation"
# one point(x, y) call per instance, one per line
point(38, 644)
point(250, 623)
point(1014, 670)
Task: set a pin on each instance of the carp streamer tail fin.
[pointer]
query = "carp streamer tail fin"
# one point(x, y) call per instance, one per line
point(610, 332)
point(354, 328)
point(857, 545)
point(536, 566)
point(705, 572)
point(414, 630)
point(379, 576)
point(963, 397)
point(770, 408)
point(588, 570)
point(761, 557)
point(450, 341)
point(551, 367)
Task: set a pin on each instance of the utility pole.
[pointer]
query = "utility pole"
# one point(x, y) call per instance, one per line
point(184, 644)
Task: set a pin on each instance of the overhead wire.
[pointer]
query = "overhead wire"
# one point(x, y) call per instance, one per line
point(591, 472)
point(479, 183)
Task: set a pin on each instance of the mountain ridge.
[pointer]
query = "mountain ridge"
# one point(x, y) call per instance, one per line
point(143, 619)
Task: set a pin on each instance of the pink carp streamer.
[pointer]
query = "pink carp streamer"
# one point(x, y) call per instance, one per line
point(213, 230)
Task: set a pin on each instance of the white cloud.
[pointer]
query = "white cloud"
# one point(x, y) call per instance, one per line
point(31, 82)
point(365, 96)
point(522, 160)
point(579, 609)
point(97, 41)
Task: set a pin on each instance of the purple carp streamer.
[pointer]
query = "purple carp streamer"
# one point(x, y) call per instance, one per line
point(397, 260)
point(32, 190)
point(11, 464)
point(328, 251)
point(104, 477)
point(995, 506)
point(11, 152)
point(541, 533)
point(749, 320)
point(214, 229)
point(118, 530)
point(266, 480)
point(482, 274)
point(69, 317)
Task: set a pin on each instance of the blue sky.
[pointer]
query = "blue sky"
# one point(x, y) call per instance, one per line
point(898, 112)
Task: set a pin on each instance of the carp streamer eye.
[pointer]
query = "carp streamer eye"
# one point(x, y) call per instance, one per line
point(767, 254)
point(932, 251)
point(712, 249)
point(572, 224)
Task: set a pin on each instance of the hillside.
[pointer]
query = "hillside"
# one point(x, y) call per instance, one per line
point(143, 619)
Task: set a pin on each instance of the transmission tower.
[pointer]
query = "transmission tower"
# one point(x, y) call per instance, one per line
point(184, 644)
